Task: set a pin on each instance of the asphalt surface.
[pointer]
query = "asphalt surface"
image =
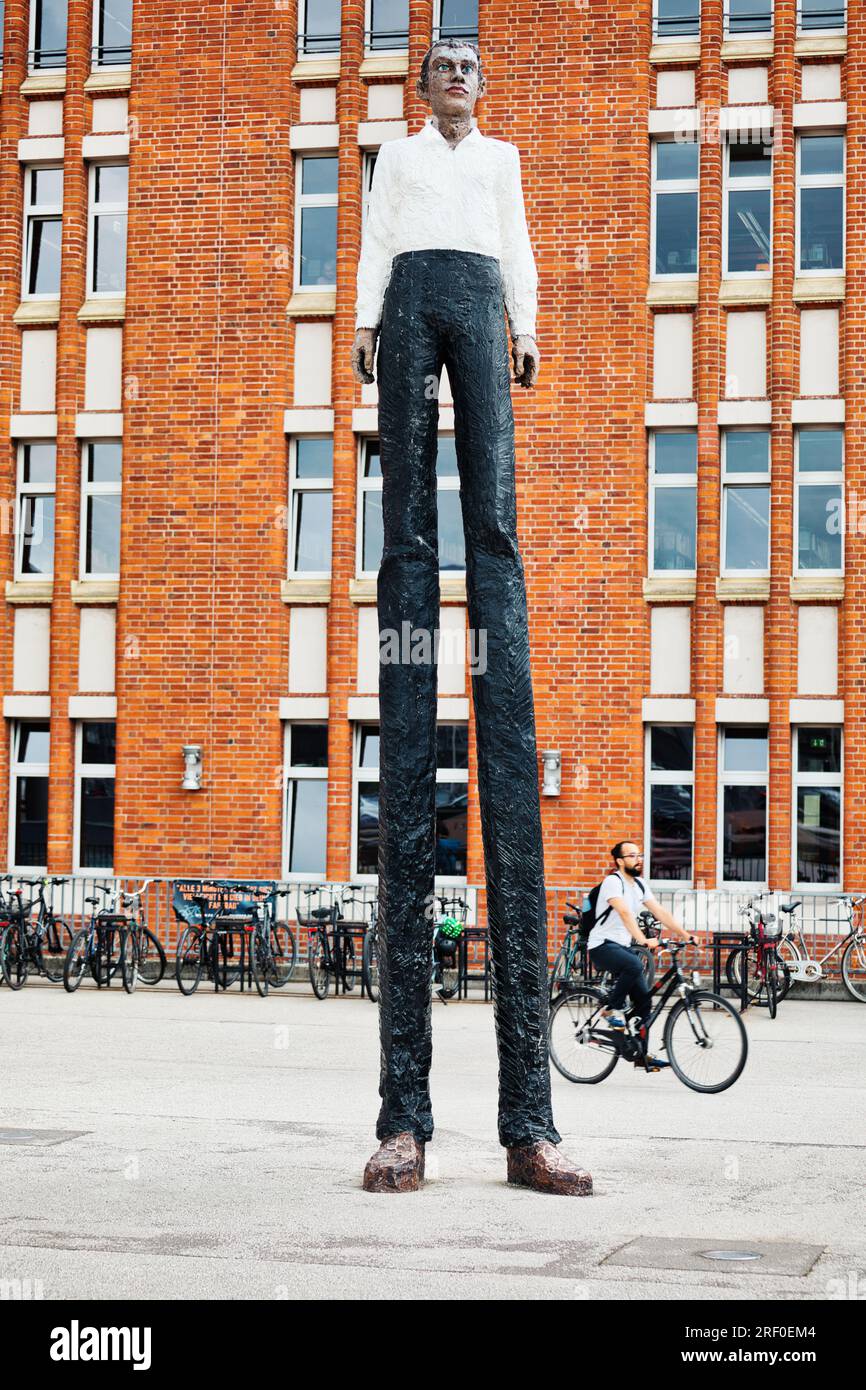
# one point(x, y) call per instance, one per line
point(157, 1146)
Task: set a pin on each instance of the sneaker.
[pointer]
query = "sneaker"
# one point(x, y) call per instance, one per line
point(616, 1022)
point(652, 1063)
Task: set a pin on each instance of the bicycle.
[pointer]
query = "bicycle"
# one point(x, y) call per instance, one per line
point(273, 948)
point(98, 946)
point(204, 946)
point(772, 978)
point(803, 967)
point(447, 932)
point(330, 954)
point(370, 956)
point(141, 954)
point(24, 944)
point(703, 1032)
point(572, 964)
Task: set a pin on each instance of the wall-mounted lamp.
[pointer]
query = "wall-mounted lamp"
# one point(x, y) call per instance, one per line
point(192, 767)
point(551, 762)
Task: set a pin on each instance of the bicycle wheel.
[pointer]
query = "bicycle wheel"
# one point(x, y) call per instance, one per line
point(771, 986)
point(77, 960)
point(13, 957)
point(449, 974)
point(854, 968)
point(189, 961)
point(260, 961)
point(284, 954)
point(558, 973)
point(129, 960)
point(706, 1041)
point(370, 964)
point(54, 949)
point(733, 966)
point(151, 958)
point(580, 1052)
point(351, 971)
point(320, 975)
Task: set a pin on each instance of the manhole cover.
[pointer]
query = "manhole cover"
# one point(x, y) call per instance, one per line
point(683, 1252)
point(730, 1255)
point(39, 1136)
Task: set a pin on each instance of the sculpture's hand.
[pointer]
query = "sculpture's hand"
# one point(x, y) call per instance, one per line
point(363, 353)
point(524, 352)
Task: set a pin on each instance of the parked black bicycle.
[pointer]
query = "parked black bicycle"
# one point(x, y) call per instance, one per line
point(370, 956)
point(141, 956)
point(331, 944)
point(704, 1037)
point(31, 943)
point(98, 947)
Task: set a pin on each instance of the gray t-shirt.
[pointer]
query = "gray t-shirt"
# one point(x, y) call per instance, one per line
point(613, 928)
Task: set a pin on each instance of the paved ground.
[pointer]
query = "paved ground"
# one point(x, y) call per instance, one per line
point(218, 1144)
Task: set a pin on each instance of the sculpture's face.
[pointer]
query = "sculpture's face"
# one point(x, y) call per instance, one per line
point(453, 84)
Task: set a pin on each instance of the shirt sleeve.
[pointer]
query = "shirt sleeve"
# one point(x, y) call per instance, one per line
point(374, 264)
point(519, 271)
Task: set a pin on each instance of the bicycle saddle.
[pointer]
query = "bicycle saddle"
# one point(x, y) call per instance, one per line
point(321, 913)
point(91, 900)
point(570, 919)
point(790, 907)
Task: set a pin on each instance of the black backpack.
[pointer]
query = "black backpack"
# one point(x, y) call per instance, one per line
point(588, 919)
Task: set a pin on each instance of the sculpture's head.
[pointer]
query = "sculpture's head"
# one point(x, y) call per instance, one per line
point(451, 78)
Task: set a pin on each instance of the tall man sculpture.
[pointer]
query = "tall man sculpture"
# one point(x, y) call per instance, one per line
point(445, 253)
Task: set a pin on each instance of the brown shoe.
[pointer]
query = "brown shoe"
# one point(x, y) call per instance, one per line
point(396, 1166)
point(543, 1168)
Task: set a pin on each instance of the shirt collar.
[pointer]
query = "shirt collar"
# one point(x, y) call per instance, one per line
point(429, 132)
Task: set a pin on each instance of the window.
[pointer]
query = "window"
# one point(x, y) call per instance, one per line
point(47, 34)
point(743, 760)
point(109, 194)
point(670, 798)
point(818, 806)
point(311, 483)
point(388, 24)
point(305, 819)
point(821, 204)
point(746, 502)
point(675, 208)
point(316, 222)
point(94, 800)
point(452, 546)
point(29, 827)
point(820, 15)
point(320, 26)
point(2, 17)
point(819, 522)
point(676, 19)
point(673, 464)
point(457, 19)
point(100, 509)
point(113, 27)
point(747, 233)
point(744, 17)
point(43, 227)
point(452, 781)
point(34, 526)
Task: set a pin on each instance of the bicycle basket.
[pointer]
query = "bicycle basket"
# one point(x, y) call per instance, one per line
point(772, 927)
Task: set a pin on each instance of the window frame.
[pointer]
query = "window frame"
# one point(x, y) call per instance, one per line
point(660, 37)
point(740, 779)
point(90, 489)
point(108, 209)
point(22, 491)
point(816, 779)
point(310, 200)
point(369, 49)
point(18, 769)
point(819, 181)
point(297, 486)
point(671, 186)
point(32, 65)
point(754, 479)
point(365, 485)
point(654, 777)
point(816, 478)
point(293, 773)
point(107, 772)
point(733, 32)
point(302, 36)
point(667, 480)
point(753, 183)
point(102, 66)
point(40, 212)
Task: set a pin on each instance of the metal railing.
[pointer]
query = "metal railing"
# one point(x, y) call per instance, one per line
point(685, 24)
point(741, 23)
point(821, 19)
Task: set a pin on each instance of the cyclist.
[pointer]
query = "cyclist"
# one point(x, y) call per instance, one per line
point(621, 897)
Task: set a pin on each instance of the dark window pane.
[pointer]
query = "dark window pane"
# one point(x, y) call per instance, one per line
point(675, 528)
point(676, 453)
point(749, 17)
point(98, 742)
point(671, 749)
point(821, 14)
point(39, 464)
point(819, 820)
point(318, 246)
point(452, 745)
point(369, 752)
point(319, 174)
point(819, 451)
point(115, 32)
point(308, 745)
point(33, 743)
point(322, 26)
point(676, 159)
point(749, 161)
point(746, 750)
point(368, 828)
point(459, 20)
point(676, 234)
point(31, 821)
point(44, 268)
point(671, 832)
point(374, 536)
point(104, 462)
point(372, 461)
point(822, 154)
point(452, 546)
point(50, 34)
point(103, 535)
point(97, 822)
point(748, 230)
point(675, 18)
point(819, 750)
point(819, 534)
point(747, 528)
point(744, 835)
point(313, 535)
point(747, 451)
point(389, 23)
point(314, 458)
point(37, 522)
point(308, 825)
point(111, 183)
point(451, 801)
point(821, 229)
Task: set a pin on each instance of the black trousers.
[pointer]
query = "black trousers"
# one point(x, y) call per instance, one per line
point(626, 967)
point(446, 306)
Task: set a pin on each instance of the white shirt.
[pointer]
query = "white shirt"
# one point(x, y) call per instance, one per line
point(613, 928)
point(427, 195)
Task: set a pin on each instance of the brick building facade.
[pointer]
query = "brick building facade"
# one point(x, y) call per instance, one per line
point(690, 465)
